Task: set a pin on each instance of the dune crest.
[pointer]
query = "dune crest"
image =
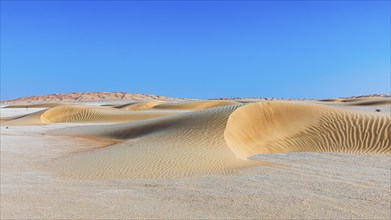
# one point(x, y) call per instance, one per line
point(280, 127)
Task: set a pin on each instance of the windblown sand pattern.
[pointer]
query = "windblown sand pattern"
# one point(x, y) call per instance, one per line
point(280, 127)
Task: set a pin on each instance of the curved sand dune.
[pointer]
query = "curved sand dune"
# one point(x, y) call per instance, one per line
point(280, 127)
point(80, 114)
point(195, 105)
point(219, 140)
point(177, 145)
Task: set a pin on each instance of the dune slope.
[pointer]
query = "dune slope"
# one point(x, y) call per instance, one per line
point(280, 127)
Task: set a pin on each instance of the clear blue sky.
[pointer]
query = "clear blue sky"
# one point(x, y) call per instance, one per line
point(196, 49)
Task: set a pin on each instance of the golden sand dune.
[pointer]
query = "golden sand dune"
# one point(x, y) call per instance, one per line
point(178, 145)
point(80, 114)
point(195, 105)
point(280, 127)
point(220, 140)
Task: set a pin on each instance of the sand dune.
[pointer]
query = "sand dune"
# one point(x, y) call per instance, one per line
point(220, 140)
point(280, 127)
point(195, 105)
point(80, 114)
point(178, 145)
point(164, 142)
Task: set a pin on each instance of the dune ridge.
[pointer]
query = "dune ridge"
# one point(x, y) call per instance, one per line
point(80, 114)
point(281, 127)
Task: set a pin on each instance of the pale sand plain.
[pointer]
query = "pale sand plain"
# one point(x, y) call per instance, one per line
point(210, 163)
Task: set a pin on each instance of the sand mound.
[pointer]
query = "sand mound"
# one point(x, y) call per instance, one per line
point(81, 114)
point(279, 127)
point(177, 145)
point(195, 105)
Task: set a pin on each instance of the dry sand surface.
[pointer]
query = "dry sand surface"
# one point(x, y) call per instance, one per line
point(197, 159)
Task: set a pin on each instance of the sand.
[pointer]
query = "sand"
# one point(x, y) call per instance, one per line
point(196, 160)
point(281, 127)
point(220, 140)
point(80, 113)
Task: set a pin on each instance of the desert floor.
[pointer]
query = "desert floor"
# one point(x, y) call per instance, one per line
point(286, 185)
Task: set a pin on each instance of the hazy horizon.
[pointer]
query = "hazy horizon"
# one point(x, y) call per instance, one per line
point(199, 50)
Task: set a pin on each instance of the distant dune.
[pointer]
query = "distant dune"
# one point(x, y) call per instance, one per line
point(364, 101)
point(87, 97)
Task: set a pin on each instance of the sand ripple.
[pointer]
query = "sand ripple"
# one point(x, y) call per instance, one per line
point(280, 127)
